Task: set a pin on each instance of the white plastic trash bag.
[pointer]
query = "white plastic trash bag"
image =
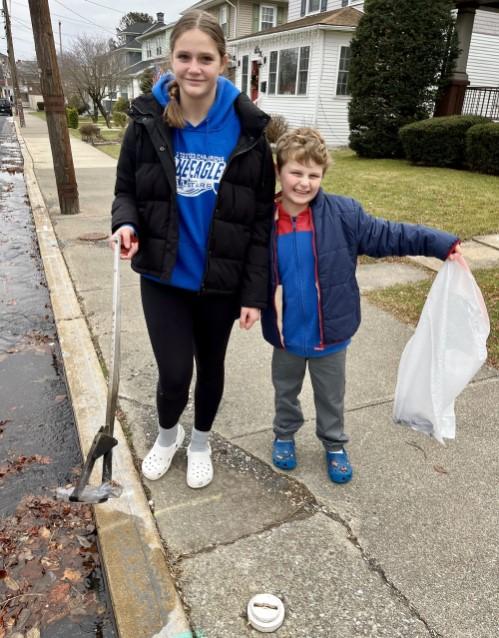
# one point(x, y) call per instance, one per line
point(445, 352)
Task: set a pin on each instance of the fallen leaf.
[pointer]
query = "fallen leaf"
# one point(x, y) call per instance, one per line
point(44, 532)
point(440, 469)
point(27, 555)
point(60, 397)
point(34, 632)
point(11, 583)
point(59, 593)
point(72, 574)
point(3, 573)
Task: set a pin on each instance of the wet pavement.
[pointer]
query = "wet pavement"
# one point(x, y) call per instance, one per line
point(51, 583)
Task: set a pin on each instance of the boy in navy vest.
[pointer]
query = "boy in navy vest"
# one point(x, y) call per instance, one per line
point(315, 303)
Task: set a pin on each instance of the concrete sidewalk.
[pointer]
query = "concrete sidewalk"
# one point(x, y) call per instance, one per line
point(409, 548)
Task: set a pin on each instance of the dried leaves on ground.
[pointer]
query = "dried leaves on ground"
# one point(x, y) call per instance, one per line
point(48, 565)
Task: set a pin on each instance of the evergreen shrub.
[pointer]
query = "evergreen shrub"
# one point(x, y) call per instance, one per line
point(439, 141)
point(482, 148)
point(119, 118)
point(121, 105)
point(402, 55)
point(72, 117)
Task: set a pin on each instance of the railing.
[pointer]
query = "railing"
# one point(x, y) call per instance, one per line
point(481, 100)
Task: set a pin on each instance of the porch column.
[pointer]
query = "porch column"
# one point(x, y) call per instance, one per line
point(451, 102)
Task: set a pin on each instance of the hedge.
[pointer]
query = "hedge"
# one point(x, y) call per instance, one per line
point(482, 148)
point(439, 141)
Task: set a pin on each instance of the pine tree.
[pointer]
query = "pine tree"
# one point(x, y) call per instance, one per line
point(403, 53)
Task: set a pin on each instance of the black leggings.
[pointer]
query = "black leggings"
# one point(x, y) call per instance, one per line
point(184, 325)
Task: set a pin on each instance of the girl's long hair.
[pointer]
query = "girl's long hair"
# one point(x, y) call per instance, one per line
point(206, 23)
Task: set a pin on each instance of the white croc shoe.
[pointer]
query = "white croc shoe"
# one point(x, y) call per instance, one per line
point(199, 468)
point(159, 458)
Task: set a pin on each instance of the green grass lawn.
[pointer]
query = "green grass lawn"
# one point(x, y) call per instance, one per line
point(459, 202)
point(406, 302)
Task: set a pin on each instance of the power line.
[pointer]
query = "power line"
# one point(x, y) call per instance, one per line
point(104, 6)
point(83, 17)
point(67, 18)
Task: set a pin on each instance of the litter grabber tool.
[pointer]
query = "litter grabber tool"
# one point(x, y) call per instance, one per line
point(104, 441)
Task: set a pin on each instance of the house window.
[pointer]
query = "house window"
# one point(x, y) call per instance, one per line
point(268, 17)
point(288, 71)
point(272, 72)
point(313, 6)
point(223, 18)
point(149, 51)
point(343, 69)
point(244, 74)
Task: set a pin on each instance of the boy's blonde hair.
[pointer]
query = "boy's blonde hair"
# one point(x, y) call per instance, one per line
point(302, 145)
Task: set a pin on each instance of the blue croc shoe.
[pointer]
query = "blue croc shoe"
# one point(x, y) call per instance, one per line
point(338, 466)
point(284, 454)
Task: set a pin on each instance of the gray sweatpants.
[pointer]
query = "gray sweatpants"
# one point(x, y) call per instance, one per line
point(328, 382)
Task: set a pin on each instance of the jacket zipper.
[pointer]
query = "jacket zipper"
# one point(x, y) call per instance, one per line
point(319, 293)
point(210, 230)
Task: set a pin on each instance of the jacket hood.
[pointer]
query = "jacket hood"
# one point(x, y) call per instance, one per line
point(253, 120)
point(226, 94)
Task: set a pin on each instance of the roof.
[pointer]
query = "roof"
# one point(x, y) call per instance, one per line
point(136, 28)
point(346, 17)
point(132, 44)
point(155, 28)
point(139, 67)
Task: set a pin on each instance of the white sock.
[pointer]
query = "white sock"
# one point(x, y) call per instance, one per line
point(167, 437)
point(199, 441)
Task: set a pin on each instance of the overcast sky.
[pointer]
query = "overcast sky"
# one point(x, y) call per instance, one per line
point(94, 17)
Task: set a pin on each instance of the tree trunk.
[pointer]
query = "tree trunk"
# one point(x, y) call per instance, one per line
point(105, 115)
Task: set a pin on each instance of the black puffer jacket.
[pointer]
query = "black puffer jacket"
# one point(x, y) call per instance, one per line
point(145, 196)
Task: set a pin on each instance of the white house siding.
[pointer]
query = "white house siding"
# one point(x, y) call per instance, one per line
point(244, 18)
point(483, 65)
point(299, 110)
point(332, 109)
point(486, 22)
point(294, 7)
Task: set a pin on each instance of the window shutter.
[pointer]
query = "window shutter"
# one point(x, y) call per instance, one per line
point(281, 15)
point(303, 7)
point(323, 5)
point(256, 16)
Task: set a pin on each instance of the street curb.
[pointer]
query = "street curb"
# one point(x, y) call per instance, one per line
point(145, 601)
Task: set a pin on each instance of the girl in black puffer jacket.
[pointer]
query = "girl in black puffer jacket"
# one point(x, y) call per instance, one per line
point(193, 208)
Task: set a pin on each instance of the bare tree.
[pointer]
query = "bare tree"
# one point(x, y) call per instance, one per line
point(90, 69)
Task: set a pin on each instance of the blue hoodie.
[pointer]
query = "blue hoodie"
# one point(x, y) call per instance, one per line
point(201, 155)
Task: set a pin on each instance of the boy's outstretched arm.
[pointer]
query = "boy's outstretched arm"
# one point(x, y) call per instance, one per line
point(378, 237)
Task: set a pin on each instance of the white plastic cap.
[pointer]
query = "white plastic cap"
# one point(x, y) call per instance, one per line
point(265, 612)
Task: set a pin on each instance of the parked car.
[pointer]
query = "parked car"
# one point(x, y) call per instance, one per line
point(5, 106)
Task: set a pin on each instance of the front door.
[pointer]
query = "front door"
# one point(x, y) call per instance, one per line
point(255, 76)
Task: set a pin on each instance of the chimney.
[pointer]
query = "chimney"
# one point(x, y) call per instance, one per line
point(160, 17)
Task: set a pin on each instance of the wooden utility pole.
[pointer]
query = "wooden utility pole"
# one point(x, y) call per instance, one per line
point(12, 64)
point(53, 98)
